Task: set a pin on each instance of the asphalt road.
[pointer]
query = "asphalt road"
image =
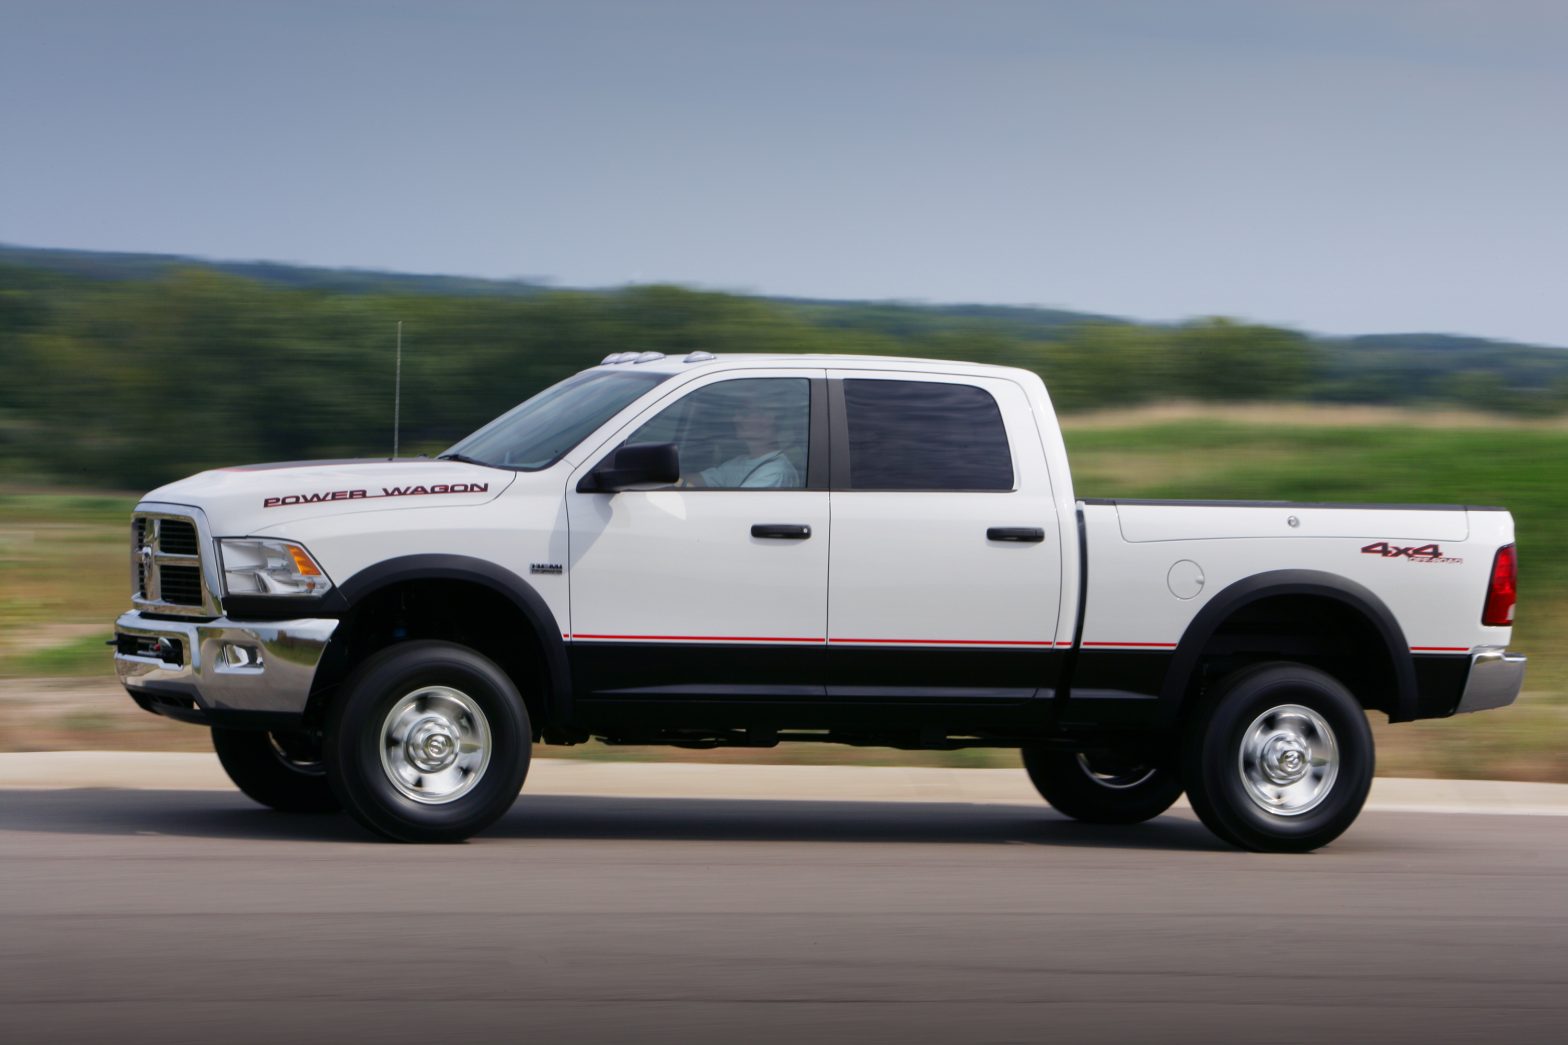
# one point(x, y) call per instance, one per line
point(175, 916)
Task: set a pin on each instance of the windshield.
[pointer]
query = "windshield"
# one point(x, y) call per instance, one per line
point(539, 432)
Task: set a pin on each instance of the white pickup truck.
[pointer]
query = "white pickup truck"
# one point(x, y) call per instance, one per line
point(746, 550)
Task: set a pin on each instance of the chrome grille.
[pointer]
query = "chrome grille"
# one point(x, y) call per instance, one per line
point(177, 538)
point(166, 565)
point(180, 585)
point(138, 539)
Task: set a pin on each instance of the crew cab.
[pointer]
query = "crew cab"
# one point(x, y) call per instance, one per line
point(754, 550)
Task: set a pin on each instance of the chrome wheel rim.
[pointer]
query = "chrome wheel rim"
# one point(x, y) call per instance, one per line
point(435, 745)
point(1119, 779)
point(294, 759)
point(1289, 760)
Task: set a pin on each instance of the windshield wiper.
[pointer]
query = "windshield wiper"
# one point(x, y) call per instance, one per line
point(465, 459)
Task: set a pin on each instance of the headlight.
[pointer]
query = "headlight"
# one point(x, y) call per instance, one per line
point(256, 566)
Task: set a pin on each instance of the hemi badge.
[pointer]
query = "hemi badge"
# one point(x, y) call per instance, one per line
point(545, 567)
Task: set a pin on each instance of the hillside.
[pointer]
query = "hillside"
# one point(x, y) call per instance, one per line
point(104, 357)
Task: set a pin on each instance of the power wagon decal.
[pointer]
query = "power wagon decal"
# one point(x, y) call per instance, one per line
point(366, 495)
point(1419, 553)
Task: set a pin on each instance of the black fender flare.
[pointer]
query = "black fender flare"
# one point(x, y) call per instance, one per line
point(1178, 677)
point(487, 574)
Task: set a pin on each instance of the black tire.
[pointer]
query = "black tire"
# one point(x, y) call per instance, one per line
point(413, 685)
point(1102, 787)
point(281, 770)
point(1227, 759)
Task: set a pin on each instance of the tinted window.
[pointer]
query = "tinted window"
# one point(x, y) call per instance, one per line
point(748, 433)
point(925, 435)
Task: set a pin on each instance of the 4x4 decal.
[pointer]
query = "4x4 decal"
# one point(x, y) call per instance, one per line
point(1415, 553)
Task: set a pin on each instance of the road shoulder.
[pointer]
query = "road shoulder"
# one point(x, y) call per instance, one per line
point(157, 770)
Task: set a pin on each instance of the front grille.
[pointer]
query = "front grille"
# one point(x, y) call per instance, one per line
point(176, 537)
point(166, 564)
point(138, 539)
point(180, 585)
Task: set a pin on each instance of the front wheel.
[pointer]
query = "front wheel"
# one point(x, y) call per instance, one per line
point(1102, 787)
point(430, 742)
point(281, 770)
point(1278, 758)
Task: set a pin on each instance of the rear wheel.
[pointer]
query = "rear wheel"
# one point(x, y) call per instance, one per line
point(282, 770)
point(430, 742)
point(1279, 758)
point(1100, 787)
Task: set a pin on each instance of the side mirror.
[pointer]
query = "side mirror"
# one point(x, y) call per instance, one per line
point(640, 464)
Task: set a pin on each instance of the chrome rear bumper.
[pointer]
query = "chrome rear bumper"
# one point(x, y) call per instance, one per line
point(223, 666)
point(1496, 676)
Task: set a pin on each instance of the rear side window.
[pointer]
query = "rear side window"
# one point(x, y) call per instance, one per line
point(925, 435)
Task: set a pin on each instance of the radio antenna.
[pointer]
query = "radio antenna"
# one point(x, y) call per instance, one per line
point(397, 389)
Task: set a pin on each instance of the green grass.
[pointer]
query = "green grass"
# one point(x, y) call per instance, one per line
point(19, 508)
point(63, 560)
point(85, 656)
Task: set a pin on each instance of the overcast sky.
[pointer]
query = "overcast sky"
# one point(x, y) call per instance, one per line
point(1342, 167)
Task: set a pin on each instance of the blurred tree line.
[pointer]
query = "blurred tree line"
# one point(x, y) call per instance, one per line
point(129, 382)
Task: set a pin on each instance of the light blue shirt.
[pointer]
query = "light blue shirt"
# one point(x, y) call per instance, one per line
point(770, 471)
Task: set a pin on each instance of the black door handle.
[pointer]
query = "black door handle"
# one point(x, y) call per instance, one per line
point(781, 531)
point(1019, 534)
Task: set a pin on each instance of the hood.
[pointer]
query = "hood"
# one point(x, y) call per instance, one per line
point(247, 499)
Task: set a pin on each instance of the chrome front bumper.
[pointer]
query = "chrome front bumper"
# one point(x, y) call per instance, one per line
point(221, 666)
point(1496, 676)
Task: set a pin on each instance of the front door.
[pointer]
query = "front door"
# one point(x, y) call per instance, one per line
point(717, 587)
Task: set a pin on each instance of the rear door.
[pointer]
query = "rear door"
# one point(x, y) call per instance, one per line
point(946, 563)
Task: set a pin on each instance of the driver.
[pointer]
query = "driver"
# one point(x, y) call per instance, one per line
point(763, 465)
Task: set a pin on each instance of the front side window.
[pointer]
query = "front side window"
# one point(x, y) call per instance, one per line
point(542, 430)
point(925, 435)
point(743, 434)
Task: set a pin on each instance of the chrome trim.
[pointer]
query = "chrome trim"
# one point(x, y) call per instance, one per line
point(1126, 779)
point(1289, 760)
point(290, 651)
point(435, 745)
point(205, 559)
point(1495, 679)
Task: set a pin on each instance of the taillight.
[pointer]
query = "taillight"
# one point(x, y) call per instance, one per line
point(1504, 589)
